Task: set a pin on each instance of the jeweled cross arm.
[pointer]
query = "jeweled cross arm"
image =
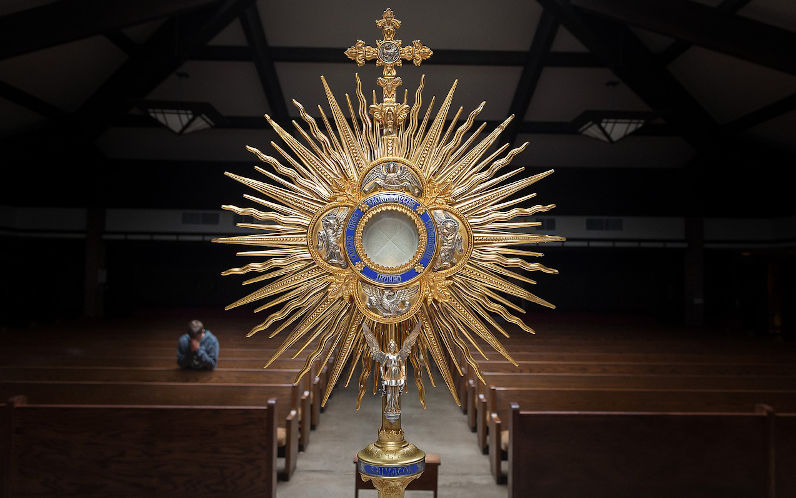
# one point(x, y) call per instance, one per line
point(389, 52)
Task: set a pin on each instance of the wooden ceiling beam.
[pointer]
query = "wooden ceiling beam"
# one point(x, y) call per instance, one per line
point(122, 42)
point(441, 57)
point(71, 20)
point(261, 55)
point(543, 38)
point(622, 52)
point(765, 113)
point(30, 102)
point(525, 127)
point(705, 26)
point(158, 58)
point(678, 47)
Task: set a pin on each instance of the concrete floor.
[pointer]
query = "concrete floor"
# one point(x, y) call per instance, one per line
point(326, 469)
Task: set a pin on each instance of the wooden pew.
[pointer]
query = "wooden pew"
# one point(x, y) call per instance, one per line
point(149, 374)
point(571, 354)
point(627, 454)
point(317, 374)
point(704, 367)
point(478, 392)
point(636, 368)
point(620, 368)
point(149, 349)
point(620, 400)
point(287, 396)
point(156, 451)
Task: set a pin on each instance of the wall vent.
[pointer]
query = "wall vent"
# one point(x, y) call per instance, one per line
point(200, 218)
point(604, 224)
point(546, 223)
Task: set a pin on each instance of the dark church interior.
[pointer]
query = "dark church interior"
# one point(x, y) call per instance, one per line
point(667, 368)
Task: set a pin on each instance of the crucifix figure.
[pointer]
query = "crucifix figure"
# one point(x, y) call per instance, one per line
point(389, 53)
point(393, 368)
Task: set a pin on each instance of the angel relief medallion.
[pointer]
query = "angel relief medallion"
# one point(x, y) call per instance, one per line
point(329, 237)
point(451, 242)
point(388, 302)
point(392, 175)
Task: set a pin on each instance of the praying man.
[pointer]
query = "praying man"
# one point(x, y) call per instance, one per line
point(198, 348)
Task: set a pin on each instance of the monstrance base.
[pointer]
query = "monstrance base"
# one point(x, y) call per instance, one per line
point(391, 463)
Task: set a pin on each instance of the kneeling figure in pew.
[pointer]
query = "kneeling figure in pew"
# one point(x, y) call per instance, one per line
point(197, 349)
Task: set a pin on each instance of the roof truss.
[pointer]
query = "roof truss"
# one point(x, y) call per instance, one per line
point(712, 28)
point(70, 20)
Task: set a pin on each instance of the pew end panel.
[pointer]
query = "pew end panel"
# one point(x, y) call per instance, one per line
point(785, 463)
point(305, 419)
point(481, 417)
point(512, 448)
point(315, 396)
point(290, 449)
point(495, 450)
point(471, 404)
point(460, 383)
point(272, 428)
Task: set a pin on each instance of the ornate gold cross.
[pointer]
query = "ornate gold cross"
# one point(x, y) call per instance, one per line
point(389, 53)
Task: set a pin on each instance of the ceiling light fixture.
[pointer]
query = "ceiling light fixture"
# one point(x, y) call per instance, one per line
point(181, 117)
point(611, 126)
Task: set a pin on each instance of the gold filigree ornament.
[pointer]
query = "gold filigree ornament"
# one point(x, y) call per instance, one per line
point(393, 221)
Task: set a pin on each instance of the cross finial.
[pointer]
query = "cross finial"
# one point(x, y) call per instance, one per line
point(388, 24)
point(388, 53)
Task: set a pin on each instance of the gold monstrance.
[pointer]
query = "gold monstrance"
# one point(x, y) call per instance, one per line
point(389, 242)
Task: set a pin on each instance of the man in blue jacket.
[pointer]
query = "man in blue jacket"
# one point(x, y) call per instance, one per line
point(198, 349)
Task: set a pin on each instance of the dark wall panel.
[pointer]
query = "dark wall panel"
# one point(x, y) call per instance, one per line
point(145, 274)
point(644, 281)
point(42, 279)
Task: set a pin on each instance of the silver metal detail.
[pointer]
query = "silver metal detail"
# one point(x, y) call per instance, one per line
point(389, 52)
point(451, 243)
point(332, 225)
point(389, 302)
point(393, 368)
point(392, 176)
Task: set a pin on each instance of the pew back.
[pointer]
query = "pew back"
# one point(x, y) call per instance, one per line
point(638, 368)
point(154, 374)
point(639, 400)
point(637, 454)
point(157, 451)
point(607, 381)
point(154, 393)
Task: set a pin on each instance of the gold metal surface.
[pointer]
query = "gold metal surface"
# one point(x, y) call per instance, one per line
point(316, 181)
point(390, 487)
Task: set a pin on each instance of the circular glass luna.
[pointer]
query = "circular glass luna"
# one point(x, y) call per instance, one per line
point(390, 238)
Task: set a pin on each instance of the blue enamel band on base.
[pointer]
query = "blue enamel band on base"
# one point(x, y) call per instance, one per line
point(390, 471)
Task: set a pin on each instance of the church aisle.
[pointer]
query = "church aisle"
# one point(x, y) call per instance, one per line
point(326, 469)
